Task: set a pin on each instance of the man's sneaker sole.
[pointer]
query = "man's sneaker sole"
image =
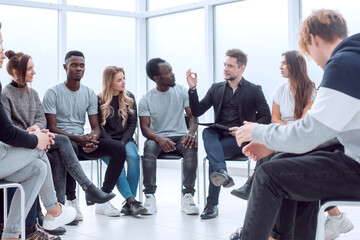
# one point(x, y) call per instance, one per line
point(219, 180)
point(108, 214)
point(191, 213)
point(149, 212)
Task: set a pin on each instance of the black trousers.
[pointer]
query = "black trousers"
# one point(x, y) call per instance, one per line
point(107, 147)
point(286, 191)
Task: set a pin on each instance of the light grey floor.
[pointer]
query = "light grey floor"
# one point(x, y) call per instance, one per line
point(169, 222)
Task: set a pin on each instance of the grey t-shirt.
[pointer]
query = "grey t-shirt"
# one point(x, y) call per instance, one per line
point(70, 107)
point(166, 110)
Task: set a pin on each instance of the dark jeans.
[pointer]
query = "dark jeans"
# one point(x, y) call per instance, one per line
point(290, 185)
point(63, 158)
point(219, 145)
point(152, 150)
point(107, 147)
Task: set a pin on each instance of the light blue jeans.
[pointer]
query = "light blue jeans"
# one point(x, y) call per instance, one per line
point(127, 183)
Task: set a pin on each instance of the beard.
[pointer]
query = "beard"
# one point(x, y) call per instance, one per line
point(230, 79)
point(77, 79)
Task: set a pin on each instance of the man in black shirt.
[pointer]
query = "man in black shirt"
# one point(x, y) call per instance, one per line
point(235, 100)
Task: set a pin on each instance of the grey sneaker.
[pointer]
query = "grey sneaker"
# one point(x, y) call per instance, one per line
point(335, 226)
point(150, 204)
point(188, 206)
point(107, 209)
point(75, 204)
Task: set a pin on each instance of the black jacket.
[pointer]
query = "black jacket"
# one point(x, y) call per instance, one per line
point(252, 104)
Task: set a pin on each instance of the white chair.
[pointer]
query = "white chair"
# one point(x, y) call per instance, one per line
point(324, 204)
point(5, 185)
point(233, 159)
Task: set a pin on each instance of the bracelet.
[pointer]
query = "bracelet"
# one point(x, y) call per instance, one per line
point(193, 136)
point(193, 88)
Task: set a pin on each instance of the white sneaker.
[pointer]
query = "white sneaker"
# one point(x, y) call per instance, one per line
point(67, 215)
point(188, 206)
point(335, 226)
point(75, 204)
point(107, 209)
point(150, 204)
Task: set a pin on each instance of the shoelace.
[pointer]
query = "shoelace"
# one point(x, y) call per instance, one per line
point(41, 231)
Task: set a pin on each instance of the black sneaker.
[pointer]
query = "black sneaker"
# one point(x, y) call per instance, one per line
point(137, 208)
point(126, 209)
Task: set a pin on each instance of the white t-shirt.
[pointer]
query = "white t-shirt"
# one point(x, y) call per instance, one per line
point(166, 110)
point(284, 97)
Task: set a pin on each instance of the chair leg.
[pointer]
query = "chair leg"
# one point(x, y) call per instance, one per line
point(198, 184)
point(22, 195)
point(204, 178)
point(320, 224)
point(5, 205)
point(141, 177)
point(99, 172)
point(22, 203)
point(182, 178)
point(249, 163)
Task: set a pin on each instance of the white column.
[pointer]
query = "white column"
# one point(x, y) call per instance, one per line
point(294, 18)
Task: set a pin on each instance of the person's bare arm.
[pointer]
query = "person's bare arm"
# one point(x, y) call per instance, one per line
point(166, 144)
point(275, 114)
point(52, 126)
point(190, 139)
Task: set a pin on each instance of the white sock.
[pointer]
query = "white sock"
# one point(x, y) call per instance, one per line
point(336, 217)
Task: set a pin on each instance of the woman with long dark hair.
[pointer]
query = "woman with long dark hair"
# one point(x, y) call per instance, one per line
point(295, 97)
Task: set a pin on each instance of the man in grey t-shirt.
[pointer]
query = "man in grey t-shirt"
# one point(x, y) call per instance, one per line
point(65, 107)
point(161, 113)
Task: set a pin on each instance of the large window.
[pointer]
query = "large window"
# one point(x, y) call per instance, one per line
point(260, 33)
point(122, 5)
point(182, 45)
point(161, 4)
point(350, 11)
point(104, 40)
point(32, 35)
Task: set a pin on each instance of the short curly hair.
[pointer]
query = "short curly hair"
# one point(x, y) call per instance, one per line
point(329, 25)
point(152, 67)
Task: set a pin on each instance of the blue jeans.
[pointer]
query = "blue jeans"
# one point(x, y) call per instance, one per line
point(127, 183)
point(219, 145)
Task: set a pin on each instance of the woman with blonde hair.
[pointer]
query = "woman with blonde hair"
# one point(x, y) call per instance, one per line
point(118, 119)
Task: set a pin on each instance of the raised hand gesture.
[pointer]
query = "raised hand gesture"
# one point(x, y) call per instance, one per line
point(191, 78)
